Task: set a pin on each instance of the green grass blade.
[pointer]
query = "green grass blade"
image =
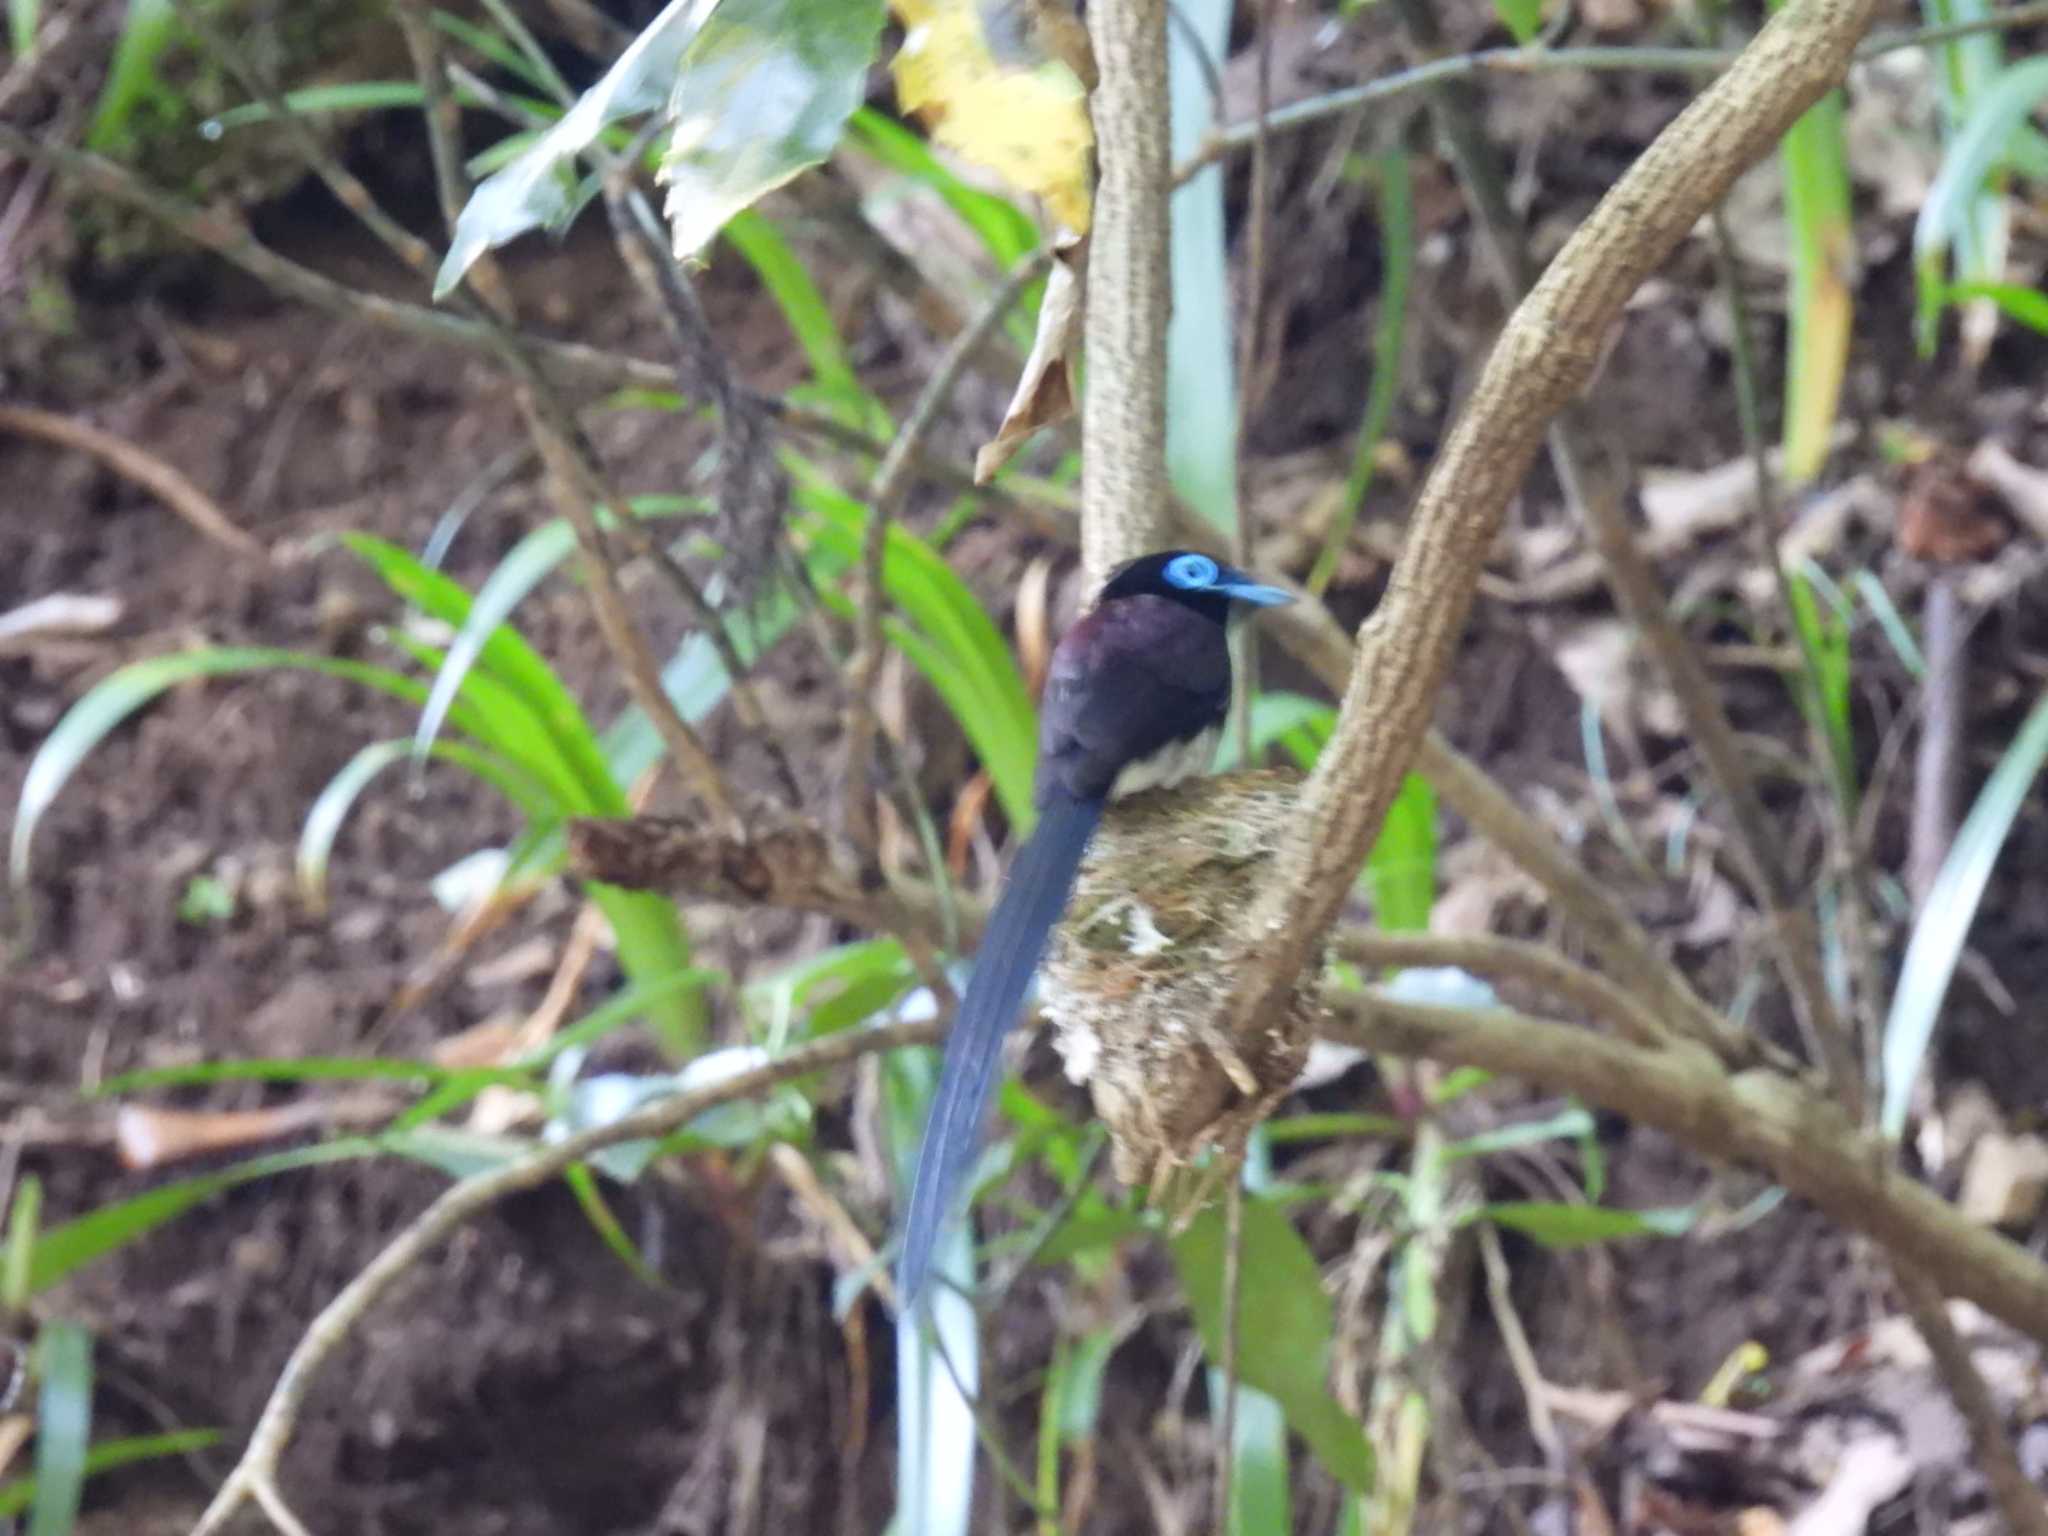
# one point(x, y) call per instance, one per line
point(2028, 306)
point(1563, 1225)
point(583, 1185)
point(505, 654)
point(1005, 229)
point(498, 50)
point(111, 1454)
point(652, 948)
point(1401, 870)
point(1944, 924)
point(330, 808)
point(112, 700)
point(77, 1242)
point(1995, 117)
point(63, 1427)
point(147, 34)
point(1389, 336)
point(23, 18)
point(1822, 307)
point(1201, 365)
point(807, 315)
point(320, 101)
point(24, 1220)
point(286, 1069)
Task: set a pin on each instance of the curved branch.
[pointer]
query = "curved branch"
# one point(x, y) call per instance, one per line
point(1805, 1139)
point(1546, 354)
point(255, 1474)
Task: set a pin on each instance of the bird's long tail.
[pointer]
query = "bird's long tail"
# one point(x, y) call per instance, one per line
point(1041, 878)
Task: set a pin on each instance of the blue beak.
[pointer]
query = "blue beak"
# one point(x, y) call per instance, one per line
point(1251, 592)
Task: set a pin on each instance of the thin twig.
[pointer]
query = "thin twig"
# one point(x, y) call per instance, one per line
point(1258, 237)
point(1233, 1287)
point(467, 1199)
point(138, 464)
point(1236, 137)
point(2018, 1499)
point(1535, 964)
point(885, 499)
point(1800, 1135)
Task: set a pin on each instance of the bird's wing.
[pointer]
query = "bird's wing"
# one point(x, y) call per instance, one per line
point(1133, 678)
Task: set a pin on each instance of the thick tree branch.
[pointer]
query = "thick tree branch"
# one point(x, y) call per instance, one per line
point(1123, 410)
point(1546, 354)
point(1805, 1139)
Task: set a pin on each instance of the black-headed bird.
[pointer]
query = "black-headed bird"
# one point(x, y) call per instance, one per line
point(1134, 699)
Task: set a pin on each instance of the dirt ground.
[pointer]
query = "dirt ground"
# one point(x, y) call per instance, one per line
point(523, 1381)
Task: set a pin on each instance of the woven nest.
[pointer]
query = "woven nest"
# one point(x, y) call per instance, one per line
point(1136, 976)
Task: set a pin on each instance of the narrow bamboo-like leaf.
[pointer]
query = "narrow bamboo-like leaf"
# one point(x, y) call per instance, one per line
point(583, 1184)
point(15, 1496)
point(507, 656)
point(1401, 869)
point(1201, 366)
point(1995, 117)
point(112, 700)
point(808, 316)
point(1822, 308)
point(320, 101)
point(1284, 1328)
point(1944, 923)
point(310, 1069)
point(63, 1427)
point(64, 1248)
point(1561, 1225)
point(1261, 1495)
point(24, 1220)
point(1005, 229)
point(2028, 306)
point(1561, 1126)
point(330, 808)
point(147, 33)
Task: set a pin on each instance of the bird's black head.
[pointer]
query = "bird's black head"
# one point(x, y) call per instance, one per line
point(1193, 580)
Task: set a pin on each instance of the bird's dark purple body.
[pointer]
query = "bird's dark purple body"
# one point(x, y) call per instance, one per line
point(1135, 698)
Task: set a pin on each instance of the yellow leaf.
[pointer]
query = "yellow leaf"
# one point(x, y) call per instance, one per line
point(1003, 104)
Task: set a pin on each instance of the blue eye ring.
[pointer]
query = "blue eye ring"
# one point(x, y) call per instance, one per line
point(1191, 573)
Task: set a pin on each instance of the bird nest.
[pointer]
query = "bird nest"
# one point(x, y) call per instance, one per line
point(1137, 976)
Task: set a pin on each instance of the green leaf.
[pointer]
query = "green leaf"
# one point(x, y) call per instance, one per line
point(1284, 1328)
point(1201, 389)
point(77, 1242)
point(116, 697)
point(110, 1454)
point(1522, 18)
point(1944, 923)
point(24, 1218)
point(1561, 1126)
point(23, 18)
point(146, 35)
point(331, 807)
point(63, 1427)
point(753, 91)
point(2028, 306)
point(583, 1184)
point(1401, 870)
point(1562, 1225)
point(808, 316)
point(1005, 229)
point(1995, 116)
point(320, 101)
point(765, 91)
point(505, 654)
point(1821, 306)
point(1261, 1494)
point(953, 642)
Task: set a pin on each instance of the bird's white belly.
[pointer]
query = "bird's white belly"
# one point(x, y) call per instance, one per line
point(1169, 765)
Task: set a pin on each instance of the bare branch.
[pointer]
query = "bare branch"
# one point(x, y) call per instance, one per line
point(255, 1474)
point(1544, 357)
point(1123, 409)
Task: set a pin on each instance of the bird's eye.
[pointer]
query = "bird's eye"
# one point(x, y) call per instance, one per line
point(1191, 572)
